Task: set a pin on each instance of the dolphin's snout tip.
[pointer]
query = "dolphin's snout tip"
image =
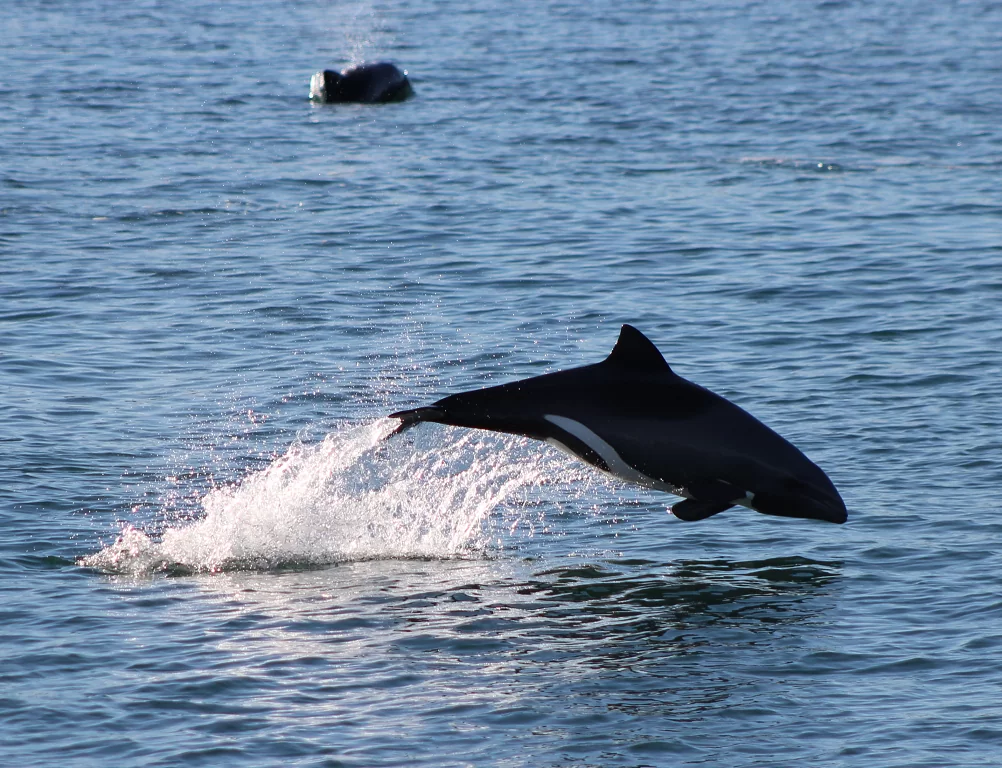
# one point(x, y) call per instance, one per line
point(821, 499)
point(837, 515)
point(831, 509)
point(806, 502)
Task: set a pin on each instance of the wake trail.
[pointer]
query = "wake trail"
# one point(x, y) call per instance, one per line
point(353, 496)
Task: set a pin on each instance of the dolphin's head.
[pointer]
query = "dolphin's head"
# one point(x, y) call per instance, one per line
point(808, 494)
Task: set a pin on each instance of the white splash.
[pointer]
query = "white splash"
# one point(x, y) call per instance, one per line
point(350, 497)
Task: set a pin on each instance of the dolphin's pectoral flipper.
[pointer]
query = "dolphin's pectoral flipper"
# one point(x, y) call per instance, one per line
point(708, 498)
point(692, 510)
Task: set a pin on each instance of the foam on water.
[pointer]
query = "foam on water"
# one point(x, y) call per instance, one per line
point(350, 497)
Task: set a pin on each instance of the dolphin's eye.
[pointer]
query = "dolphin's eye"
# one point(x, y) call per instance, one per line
point(793, 485)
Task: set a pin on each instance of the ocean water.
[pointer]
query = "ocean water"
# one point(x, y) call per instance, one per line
point(212, 292)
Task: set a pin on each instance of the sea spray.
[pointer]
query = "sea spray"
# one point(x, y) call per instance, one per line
point(352, 496)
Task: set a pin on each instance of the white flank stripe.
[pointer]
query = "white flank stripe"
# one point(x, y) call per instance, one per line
point(612, 460)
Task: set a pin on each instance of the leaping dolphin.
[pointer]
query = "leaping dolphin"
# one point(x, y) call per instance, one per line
point(633, 417)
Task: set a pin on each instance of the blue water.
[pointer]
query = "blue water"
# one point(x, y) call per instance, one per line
point(212, 292)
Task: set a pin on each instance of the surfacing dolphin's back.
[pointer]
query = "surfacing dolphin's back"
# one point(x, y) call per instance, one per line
point(633, 417)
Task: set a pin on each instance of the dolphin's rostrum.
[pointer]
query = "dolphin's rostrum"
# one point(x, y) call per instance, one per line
point(633, 417)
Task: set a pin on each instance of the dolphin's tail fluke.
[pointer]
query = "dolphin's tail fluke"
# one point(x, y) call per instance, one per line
point(414, 416)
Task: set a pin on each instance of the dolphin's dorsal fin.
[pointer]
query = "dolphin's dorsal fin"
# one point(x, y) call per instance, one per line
point(636, 352)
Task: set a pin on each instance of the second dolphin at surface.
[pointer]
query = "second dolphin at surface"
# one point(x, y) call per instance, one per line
point(375, 83)
point(633, 417)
